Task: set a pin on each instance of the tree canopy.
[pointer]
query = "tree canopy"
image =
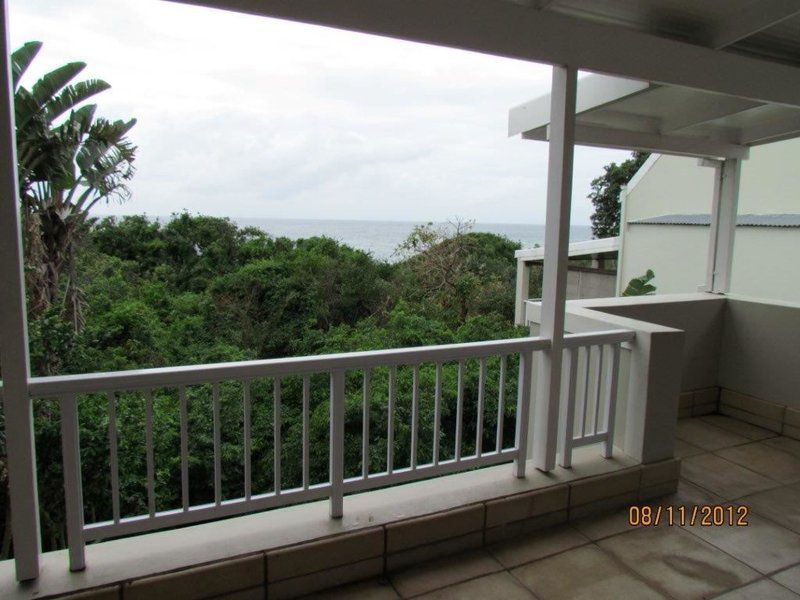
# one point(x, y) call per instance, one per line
point(68, 160)
point(605, 194)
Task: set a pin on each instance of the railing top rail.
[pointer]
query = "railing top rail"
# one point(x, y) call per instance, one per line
point(303, 365)
point(277, 367)
point(592, 338)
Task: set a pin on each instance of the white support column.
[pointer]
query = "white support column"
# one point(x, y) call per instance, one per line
point(554, 279)
point(623, 227)
point(721, 236)
point(523, 285)
point(14, 339)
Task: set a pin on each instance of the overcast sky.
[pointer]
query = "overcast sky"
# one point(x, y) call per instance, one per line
point(250, 117)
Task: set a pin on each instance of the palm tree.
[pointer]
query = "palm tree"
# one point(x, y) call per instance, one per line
point(68, 162)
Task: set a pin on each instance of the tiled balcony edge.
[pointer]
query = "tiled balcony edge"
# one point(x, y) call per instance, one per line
point(390, 541)
point(781, 419)
point(695, 403)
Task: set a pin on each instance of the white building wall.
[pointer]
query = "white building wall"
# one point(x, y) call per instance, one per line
point(771, 179)
point(673, 184)
point(765, 261)
point(670, 251)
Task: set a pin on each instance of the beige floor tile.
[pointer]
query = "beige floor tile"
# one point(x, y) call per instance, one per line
point(762, 545)
point(722, 477)
point(251, 594)
point(782, 505)
point(499, 585)
point(751, 432)
point(440, 573)
point(537, 545)
point(760, 590)
point(373, 589)
point(789, 578)
point(597, 527)
point(786, 444)
point(678, 562)
point(422, 554)
point(684, 449)
point(767, 460)
point(583, 573)
point(688, 494)
point(708, 437)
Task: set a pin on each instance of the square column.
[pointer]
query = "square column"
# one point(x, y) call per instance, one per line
point(561, 135)
point(724, 210)
point(14, 357)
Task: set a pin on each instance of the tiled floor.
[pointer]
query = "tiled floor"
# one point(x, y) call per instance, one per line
point(724, 461)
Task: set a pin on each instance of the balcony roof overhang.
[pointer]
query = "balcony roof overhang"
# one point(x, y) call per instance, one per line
point(735, 47)
point(613, 112)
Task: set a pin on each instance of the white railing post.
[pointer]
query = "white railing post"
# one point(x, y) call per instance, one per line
point(567, 413)
point(523, 285)
point(17, 407)
point(561, 135)
point(73, 487)
point(612, 382)
point(365, 416)
point(523, 411)
point(337, 444)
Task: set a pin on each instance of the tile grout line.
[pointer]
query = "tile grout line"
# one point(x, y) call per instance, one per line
point(739, 498)
point(266, 577)
point(761, 441)
point(717, 413)
point(755, 581)
point(770, 519)
point(778, 481)
point(739, 560)
point(712, 452)
point(525, 564)
point(701, 417)
point(483, 529)
point(500, 570)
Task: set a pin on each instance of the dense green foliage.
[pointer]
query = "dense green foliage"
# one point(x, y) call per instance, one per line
point(198, 290)
point(606, 191)
point(641, 286)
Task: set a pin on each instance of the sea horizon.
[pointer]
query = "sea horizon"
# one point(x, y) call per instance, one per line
point(381, 238)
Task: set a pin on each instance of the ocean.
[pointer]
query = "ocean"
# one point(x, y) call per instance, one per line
point(381, 238)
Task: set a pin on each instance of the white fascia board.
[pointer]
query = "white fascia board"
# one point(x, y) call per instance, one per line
point(708, 108)
point(605, 137)
point(643, 170)
point(584, 248)
point(772, 131)
point(514, 31)
point(756, 17)
point(594, 91)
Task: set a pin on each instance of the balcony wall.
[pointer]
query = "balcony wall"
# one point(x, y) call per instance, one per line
point(741, 356)
point(760, 350)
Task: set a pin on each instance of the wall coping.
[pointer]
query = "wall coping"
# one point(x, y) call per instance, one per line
point(122, 560)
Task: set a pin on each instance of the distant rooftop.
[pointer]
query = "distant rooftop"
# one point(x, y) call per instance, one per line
point(751, 220)
point(576, 249)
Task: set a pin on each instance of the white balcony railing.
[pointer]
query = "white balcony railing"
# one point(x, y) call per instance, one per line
point(587, 413)
point(338, 370)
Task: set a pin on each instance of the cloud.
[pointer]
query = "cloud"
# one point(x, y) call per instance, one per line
point(252, 117)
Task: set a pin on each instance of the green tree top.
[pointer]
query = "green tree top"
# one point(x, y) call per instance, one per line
point(69, 160)
point(605, 194)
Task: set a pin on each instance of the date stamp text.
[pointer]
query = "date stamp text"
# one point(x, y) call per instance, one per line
point(704, 515)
